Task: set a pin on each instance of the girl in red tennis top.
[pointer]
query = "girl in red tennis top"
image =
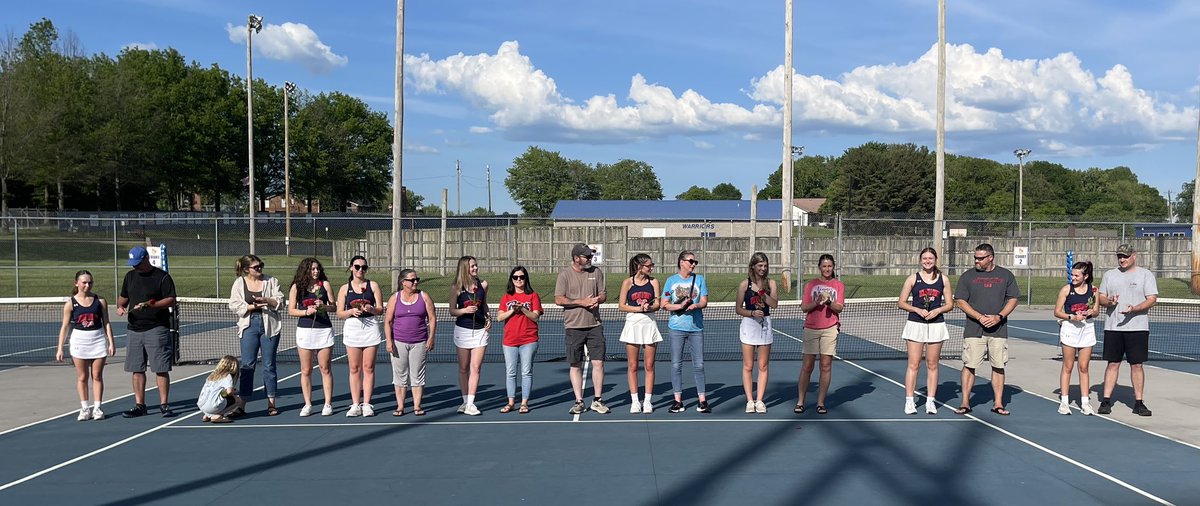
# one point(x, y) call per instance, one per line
point(85, 317)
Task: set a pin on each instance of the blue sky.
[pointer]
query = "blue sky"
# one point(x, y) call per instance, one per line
point(695, 87)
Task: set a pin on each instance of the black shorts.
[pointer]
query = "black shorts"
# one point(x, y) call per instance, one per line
point(593, 338)
point(1131, 346)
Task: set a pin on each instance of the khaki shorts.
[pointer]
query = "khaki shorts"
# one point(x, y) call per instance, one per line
point(974, 349)
point(820, 341)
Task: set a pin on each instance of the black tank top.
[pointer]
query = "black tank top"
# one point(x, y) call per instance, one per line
point(1078, 303)
point(86, 317)
point(755, 300)
point(367, 295)
point(478, 319)
point(639, 294)
point(928, 296)
point(318, 320)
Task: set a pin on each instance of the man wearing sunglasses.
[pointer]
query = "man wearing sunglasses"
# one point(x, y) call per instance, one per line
point(580, 291)
point(1127, 292)
point(987, 294)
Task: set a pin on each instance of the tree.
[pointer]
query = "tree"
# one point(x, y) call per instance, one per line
point(811, 177)
point(628, 180)
point(877, 177)
point(695, 193)
point(726, 191)
point(1183, 202)
point(343, 151)
point(479, 211)
point(538, 179)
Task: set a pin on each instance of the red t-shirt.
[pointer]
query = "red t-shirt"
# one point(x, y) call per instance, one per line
point(822, 317)
point(518, 328)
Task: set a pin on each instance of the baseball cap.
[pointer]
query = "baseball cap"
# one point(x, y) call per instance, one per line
point(581, 250)
point(1125, 249)
point(136, 255)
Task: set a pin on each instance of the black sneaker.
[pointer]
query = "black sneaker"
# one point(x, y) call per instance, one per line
point(677, 407)
point(165, 409)
point(1140, 409)
point(1105, 408)
point(703, 407)
point(136, 411)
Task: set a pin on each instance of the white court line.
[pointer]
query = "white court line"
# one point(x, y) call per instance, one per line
point(544, 422)
point(1111, 419)
point(15, 353)
point(121, 442)
point(1001, 430)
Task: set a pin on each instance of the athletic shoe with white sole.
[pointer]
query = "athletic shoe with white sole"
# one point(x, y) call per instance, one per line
point(355, 410)
point(910, 407)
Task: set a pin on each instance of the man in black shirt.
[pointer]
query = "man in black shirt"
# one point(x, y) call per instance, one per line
point(147, 294)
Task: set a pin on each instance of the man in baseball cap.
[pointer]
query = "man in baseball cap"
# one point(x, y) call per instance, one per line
point(147, 294)
point(1128, 292)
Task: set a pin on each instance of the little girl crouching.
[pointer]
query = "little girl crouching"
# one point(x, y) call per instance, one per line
point(218, 396)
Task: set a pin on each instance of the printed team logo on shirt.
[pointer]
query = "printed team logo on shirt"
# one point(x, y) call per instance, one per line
point(512, 305)
point(988, 282)
point(639, 297)
point(86, 320)
point(682, 290)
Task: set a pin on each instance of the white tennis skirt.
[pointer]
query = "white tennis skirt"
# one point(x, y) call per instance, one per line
point(89, 344)
point(1077, 334)
point(925, 332)
point(756, 331)
point(469, 339)
point(314, 339)
point(640, 329)
point(362, 332)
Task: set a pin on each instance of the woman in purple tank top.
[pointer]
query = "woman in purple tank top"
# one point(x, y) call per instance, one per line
point(409, 327)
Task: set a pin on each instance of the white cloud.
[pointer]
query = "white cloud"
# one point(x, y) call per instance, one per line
point(701, 144)
point(418, 148)
point(481, 130)
point(1054, 104)
point(294, 42)
point(148, 46)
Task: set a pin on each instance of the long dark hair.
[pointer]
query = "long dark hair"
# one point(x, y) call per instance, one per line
point(511, 288)
point(303, 279)
point(350, 267)
point(930, 249)
point(829, 257)
point(636, 262)
point(75, 289)
point(1084, 266)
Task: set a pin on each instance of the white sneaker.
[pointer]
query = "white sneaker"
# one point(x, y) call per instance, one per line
point(930, 408)
point(749, 406)
point(647, 407)
point(635, 408)
point(368, 410)
point(462, 408)
point(910, 407)
point(327, 410)
point(306, 410)
point(1064, 409)
point(760, 407)
point(84, 414)
point(599, 407)
point(471, 410)
point(1086, 408)
point(96, 413)
point(355, 410)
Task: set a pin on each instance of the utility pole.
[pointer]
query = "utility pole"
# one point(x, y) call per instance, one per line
point(458, 187)
point(489, 179)
point(785, 238)
point(397, 251)
point(939, 204)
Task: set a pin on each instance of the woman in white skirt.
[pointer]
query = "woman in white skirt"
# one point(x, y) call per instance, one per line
point(468, 306)
point(639, 300)
point(927, 296)
point(756, 295)
point(1076, 307)
point(310, 304)
point(358, 307)
point(85, 316)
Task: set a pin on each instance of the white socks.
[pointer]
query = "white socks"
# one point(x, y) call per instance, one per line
point(470, 399)
point(1066, 399)
point(84, 405)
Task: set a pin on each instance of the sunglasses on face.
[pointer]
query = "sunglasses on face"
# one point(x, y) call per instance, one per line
point(359, 267)
point(650, 265)
point(414, 280)
point(982, 258)
point(1122, 256)
point(519, 277)
point(258, 267)
point(692, 261)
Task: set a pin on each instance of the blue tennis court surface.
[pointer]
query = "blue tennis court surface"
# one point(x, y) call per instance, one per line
point(865, 451)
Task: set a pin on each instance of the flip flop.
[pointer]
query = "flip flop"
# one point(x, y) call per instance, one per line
point(821, 410)
point(418, 412)
point(206, 419)
point(272, 411)
point(399, 412)
point(799, 409)
point(999, 410)
point(524, 409)
point(962, 410)
point(507, 408)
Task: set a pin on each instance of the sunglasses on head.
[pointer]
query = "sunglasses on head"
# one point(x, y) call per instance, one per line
point(519, 277)
point(359, 267)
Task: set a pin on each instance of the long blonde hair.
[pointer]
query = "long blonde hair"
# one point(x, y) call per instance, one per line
point(464, 281)
point(228, 366)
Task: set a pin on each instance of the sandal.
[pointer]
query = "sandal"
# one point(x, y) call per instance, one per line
point(418, 412)
point(524, 409)
point(962, 410)
point(799, 409)
point(999, 410)
point(272, 411)
point(220, 419)
point(206, 419)
point(237, 412)
point(507, 408)
point(821, 410)
point(399, 412)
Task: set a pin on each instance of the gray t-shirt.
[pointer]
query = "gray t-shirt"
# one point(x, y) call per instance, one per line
point(577, 285)
point(1131, 287)
point(987, 292)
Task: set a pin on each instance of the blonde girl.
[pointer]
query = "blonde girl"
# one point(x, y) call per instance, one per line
point(218, 390)
point(756, 296)
point(468, 306)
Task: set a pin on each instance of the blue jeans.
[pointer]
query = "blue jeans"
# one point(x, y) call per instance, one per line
point(525, 353)
point(253, 340)
point(695, 342)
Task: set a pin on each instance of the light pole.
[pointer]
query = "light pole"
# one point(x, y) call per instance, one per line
point(288, 88)
point(253, 25)
point(1021, 154)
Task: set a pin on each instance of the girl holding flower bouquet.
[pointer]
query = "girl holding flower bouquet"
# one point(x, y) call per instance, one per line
point(358, 307)
point(1076, 307)
point(310, 304)
point(468, 306)
point(927, 297)
point(756, 295)
point(639, 300)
